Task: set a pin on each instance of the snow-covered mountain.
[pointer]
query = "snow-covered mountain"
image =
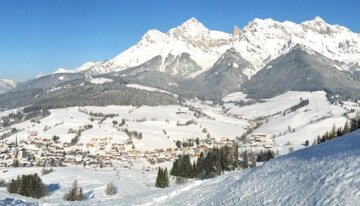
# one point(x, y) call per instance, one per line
point(203, 45)
point(81, 68)
point(6, 85)
point(261, 41)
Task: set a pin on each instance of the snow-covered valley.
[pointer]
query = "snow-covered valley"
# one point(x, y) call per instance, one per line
point(268, 124)
point(266, 115)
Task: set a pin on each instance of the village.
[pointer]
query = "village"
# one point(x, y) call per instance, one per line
point(97, 153)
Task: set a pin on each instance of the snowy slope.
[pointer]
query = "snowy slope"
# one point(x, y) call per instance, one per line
point(6, 85)
point(157, 119)
point(306, 123)
point(261, 41)
point(325, 174)
point(86, 66)
point(306, 177)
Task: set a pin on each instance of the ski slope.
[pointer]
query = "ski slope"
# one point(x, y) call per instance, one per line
point(325, 174)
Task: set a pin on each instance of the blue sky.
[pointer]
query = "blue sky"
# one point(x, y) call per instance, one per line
point(38, 36)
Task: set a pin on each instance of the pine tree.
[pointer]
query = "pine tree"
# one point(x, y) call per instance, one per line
point(333, 132)
point(28, 185)
point(158, 178)
point(212, 167)
point(245, 163)
point(197, 141)
point(175, 168)
point(110, 189)
point(178, 144)
point(346, 128)
point(318, 140)
point(166, 178)
point(81, 195)
point(75, 193)
point(186, 167)
point(353, 125)
point(162, 179)
point(339, 132)
point(236, 155)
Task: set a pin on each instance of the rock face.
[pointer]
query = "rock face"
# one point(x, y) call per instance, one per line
point(236, 33)
point(301, 70)
point(226, 76)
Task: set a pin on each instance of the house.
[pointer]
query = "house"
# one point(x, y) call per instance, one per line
point(89, 145)
point(258, 137)
point(135, 153)
point(66, 144)
point(202, 147)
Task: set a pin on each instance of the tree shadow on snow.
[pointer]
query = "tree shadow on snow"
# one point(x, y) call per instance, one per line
point(12, 201)
point(53, 187)
point(89, 195)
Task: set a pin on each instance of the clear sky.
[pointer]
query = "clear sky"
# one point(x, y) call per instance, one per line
point(38, 36)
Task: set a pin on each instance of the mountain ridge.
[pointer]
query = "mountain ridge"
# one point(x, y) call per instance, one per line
point(205, 46)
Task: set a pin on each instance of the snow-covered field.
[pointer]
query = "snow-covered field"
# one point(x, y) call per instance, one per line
point(283, 132)
point(150, 121)
point(325, 174)
point(137, 86)
point(294, 128)
point(130, 182)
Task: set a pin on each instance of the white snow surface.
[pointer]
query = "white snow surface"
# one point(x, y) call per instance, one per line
point(325, 174)
point(306, 123)
point(86, 66)
point(142, 87)
point(99, 80)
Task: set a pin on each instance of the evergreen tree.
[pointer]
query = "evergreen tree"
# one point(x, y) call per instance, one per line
point(245, 163)
point(186, 167)
point(110, 189)
point(158, 178)
point(236, 155)
point(318, 139)
point(212, 167)
point(178, 144)
point(346, 128)
point(333, 132)
point(16, 163)
point(162, 179)
point(81, 195)
point(353, 125)
point(339, 132)
point(75, 193)
point(166, 178)
point(28, 185)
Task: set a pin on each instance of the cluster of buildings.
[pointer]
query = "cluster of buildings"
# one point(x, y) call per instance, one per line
point(98, 152)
